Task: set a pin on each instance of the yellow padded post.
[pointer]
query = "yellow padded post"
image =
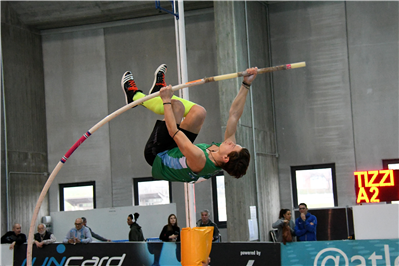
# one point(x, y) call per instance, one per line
point(196, 245)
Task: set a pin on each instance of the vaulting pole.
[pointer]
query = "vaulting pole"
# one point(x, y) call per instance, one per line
point(115, 114)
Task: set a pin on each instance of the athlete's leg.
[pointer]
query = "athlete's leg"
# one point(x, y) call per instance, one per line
point(129, 86)
point(178, 110)
point(155, 104)
point(160, 140)
point(194, 114)
point(194, 119)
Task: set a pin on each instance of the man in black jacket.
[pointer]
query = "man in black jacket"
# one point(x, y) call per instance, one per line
point(205, 221)
point(43, 237)
point(14, 237)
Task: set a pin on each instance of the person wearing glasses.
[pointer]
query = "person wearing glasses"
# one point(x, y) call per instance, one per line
point(305, 224)
point(78, 235)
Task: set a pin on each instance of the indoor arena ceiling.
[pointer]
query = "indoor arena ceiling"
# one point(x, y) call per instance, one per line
point(44, 15)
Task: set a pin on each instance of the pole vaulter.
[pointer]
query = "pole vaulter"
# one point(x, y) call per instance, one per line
point(120, 111)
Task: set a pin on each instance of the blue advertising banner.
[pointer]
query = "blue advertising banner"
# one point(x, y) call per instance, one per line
point(102, 254)
point(146, 254)
point(341, 253)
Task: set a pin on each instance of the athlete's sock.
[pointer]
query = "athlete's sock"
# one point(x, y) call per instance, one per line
point(156, 105)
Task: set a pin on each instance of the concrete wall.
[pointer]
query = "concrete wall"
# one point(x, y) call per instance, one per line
point(3, 195)
point(343, 107)
point(242, 37)
point(374, 76)
point(76, 99)
point(24, 142)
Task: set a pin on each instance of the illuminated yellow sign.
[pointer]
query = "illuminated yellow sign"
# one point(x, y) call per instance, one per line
point(376, 186)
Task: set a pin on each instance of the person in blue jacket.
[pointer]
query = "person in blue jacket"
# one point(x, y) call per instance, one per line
point(305, 225)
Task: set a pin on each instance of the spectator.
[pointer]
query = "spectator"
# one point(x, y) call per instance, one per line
point(284, 219)
point(171, 231)
point(43, 237)
point(94, 234)
point(205, 221)
point(14, 237)
point(79, 234)
point(305, 225)
point(135, 234)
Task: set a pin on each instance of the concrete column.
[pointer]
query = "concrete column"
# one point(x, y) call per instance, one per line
point(25, 118)
point(238, 47)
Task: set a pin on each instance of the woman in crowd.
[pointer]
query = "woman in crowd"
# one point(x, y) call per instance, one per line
point(135, 234)
point(171, 231)
point(284, 220)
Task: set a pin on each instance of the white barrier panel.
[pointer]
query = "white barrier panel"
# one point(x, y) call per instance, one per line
point(380, 221)
point(6, 255)
point(111, 222)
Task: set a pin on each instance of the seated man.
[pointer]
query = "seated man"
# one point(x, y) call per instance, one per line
point(94, 234)
point(205, 221)
point(79, 234)
point(43, 237)
point(170, 149)
point(14, 237)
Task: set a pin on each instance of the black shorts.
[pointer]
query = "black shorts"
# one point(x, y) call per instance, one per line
point(160, 141)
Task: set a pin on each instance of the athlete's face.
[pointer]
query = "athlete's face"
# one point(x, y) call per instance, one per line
point(228, 146)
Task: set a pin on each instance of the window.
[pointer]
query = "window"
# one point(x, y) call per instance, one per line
point(150, 191)
point(390, 164)
point(314, 185)
point(77, 196)
point(219, 200)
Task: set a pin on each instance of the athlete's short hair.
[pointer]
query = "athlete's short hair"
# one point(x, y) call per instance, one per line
point(238, 163)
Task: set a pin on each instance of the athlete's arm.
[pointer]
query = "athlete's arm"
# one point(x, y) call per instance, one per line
point(237, 107)
point(194, 155)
